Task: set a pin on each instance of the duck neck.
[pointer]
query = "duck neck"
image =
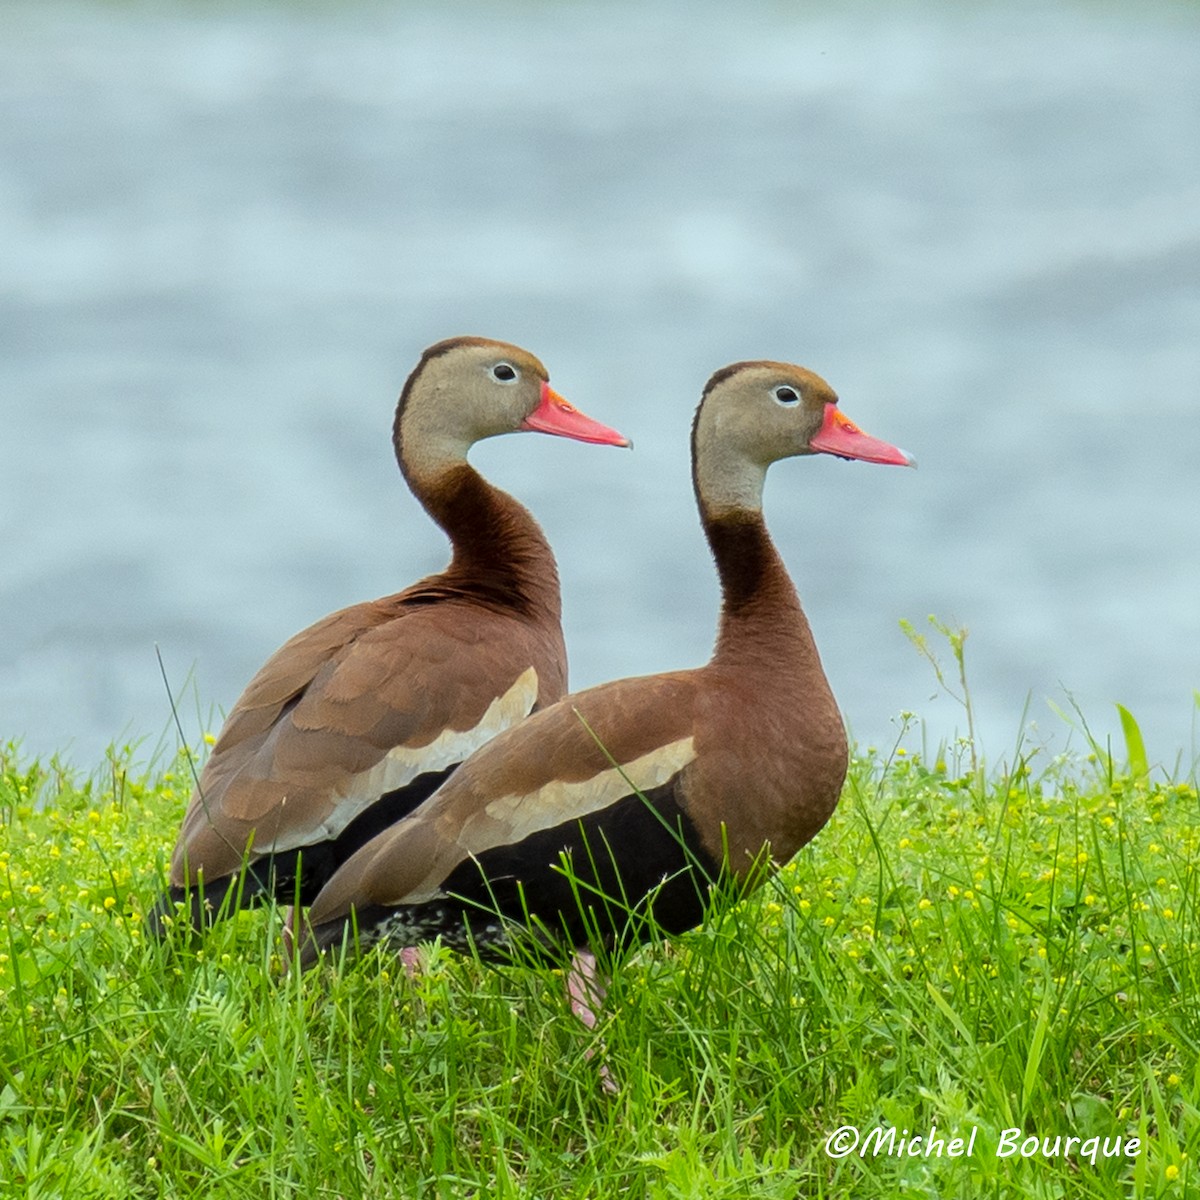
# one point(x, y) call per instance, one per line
point(500, 555)
point(762, 625)
point(761, 619)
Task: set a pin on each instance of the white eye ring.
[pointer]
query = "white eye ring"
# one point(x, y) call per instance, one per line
point(785, 395)
point(504, 372)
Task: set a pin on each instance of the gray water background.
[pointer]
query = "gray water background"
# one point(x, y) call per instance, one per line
point(226, 233)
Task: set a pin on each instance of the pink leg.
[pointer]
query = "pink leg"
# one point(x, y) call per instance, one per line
point(410, 960)
point(585, 988)
point(586, 991)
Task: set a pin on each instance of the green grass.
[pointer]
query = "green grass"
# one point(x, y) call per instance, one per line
point(960, 947)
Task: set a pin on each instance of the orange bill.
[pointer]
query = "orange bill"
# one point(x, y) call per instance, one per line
point(840, 436)
point(555, 415)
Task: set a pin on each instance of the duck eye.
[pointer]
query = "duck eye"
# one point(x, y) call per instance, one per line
point(504, 372)
point(786, 395)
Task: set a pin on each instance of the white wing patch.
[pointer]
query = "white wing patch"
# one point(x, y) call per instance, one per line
point(402, 764)
point(513, 818)
point(508, 819)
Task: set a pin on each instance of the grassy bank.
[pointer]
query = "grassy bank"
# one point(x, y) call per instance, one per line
point(1015, 950)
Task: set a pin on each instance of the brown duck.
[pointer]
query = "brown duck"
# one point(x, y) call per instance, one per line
point(354, 722)
point(629, 799)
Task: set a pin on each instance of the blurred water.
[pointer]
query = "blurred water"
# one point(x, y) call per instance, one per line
point(226, 234)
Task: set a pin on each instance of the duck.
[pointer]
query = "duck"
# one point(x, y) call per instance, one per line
point(356, 720)
point(617, 809)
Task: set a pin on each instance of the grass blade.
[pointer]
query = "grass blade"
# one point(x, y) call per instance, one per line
point(1135, 747)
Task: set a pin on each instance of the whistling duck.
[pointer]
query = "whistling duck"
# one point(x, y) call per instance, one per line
point(632, 797)
point(356, 720)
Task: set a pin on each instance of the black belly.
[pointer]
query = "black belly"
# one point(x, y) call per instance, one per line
point(296, 876)
point(607, 879)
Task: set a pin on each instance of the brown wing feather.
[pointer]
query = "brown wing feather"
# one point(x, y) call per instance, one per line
point(332, 703)
point(553, 767)
point(292, 668)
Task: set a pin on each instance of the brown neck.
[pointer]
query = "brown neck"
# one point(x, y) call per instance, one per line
point(762, 624)
point(501, 556)
point(776, 714)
